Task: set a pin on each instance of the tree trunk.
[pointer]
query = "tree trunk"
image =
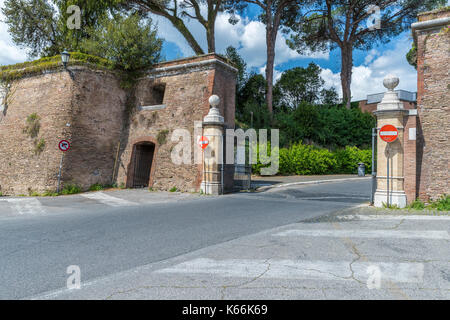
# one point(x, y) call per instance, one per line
point(210, 36)
point(346, 73)
point(269, 71)
point(181, 27)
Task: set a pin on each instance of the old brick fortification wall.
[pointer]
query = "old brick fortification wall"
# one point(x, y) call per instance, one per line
point(433, 65)
point(86, 109)
point(188, 84)
point(91, 110)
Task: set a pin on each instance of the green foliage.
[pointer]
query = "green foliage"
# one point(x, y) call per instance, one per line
point(33, 125)
point(417, 205)
point(49, 193)
point(443, 204)
point(71, 189)
point(41, 25)
point(174, 189)
point(39, 146)
point(347, 160)
point(1, 194)
point(411, 56)
point(236, 60)
point(20, 70)
point(162, 136)
point(327, 126)
point(301, 159)
point(129, 42)
point(96, 187)
point(299, 85)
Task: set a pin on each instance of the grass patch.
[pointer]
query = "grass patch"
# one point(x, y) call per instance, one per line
point(443, 204)
point(20, 70)
point(70, 189)
point(174, 189)
point(417, 205)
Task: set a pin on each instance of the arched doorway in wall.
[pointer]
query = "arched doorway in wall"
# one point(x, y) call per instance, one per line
point(141, 163)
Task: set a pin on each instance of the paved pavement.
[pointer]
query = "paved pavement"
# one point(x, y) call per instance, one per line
point(353, 254)
point(297, 242)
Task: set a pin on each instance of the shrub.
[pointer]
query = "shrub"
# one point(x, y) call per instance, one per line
point(417, 205)
point(96, 187)
point(70, 189)
point(301, 159)
point(347, 160)
point(443, 204)
point(174, 189)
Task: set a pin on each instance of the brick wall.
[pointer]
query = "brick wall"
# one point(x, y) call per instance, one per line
point(433, 64)
point(188, 85)
point(100, 115)
point(86, 110)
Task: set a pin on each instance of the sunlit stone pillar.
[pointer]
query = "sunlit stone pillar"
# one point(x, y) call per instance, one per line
point(390, 111)
point(213, 125)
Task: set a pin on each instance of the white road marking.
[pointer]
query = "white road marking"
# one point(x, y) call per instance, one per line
point(108, 200)
point(395, 234)
point(298, 269)
point(25, 205)
point(394, 217)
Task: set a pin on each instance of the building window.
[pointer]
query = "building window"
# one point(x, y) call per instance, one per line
point(158, 93)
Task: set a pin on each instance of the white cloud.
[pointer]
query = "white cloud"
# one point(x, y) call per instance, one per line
point(368, 77)
point(9, 53)
point(247, 36)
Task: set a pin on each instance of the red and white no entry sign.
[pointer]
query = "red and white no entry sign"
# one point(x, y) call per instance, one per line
point(203, 142)
point(64, 145)
point(388, 133)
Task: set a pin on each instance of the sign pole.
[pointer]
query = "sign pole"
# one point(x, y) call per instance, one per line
point(60, 171)
point(387, 191)
point(64, 146)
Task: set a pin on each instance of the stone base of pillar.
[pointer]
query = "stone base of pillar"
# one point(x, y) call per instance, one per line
point(397, 198)
point(213, 188)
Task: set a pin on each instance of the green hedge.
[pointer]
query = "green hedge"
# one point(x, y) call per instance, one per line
point(302, 159)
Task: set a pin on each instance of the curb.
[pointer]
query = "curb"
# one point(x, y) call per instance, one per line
point(263, 188)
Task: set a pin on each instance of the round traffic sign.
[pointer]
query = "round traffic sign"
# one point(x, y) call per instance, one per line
point(388, 133)
point(64, 145)
point(203, 142)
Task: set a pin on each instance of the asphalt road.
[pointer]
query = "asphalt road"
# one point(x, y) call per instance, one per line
point(109, 232)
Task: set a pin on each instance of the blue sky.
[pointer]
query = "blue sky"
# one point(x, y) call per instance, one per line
point(248, 35)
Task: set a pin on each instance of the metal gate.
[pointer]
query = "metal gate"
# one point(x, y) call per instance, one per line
point(143, 158)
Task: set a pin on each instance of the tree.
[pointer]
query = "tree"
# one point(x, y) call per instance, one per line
point(274, 14)
point(298, 85)
point(40, 25)
point(348, 24)
point(176, 10)
point(31, 25)
point(239, 63)
point(130, 43)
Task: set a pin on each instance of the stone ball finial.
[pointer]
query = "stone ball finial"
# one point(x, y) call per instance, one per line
point(391, 81)
point(214, 101)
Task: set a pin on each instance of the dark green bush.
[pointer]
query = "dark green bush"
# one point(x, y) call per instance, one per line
point(70, 189)
point(443, 204)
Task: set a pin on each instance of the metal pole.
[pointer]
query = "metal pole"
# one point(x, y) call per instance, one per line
point(372, 195)
point(59, 175)
point(387, 174)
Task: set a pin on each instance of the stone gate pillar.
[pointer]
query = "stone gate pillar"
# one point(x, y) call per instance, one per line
point(213, 126)
point(390, 111)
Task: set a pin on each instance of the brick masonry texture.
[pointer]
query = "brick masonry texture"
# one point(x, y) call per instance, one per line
point(433, 65)
point(101, 115)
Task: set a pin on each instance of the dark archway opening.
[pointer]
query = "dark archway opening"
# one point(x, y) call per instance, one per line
point(142, 164)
